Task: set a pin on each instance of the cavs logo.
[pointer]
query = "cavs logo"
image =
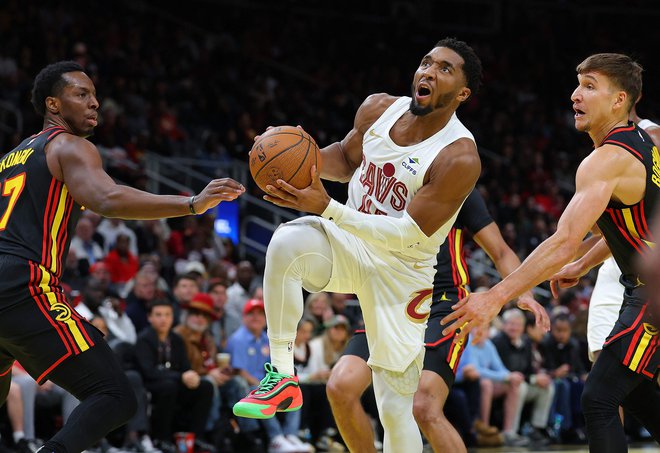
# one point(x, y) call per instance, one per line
point(650, 329)
point(414, 305)
point(63, 311)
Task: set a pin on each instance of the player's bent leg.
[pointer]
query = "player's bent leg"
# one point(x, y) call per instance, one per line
point(350, 377)
point(107, 400)
point(299, 256)
point(394, 397)
point(607, 386)
point(428, 407)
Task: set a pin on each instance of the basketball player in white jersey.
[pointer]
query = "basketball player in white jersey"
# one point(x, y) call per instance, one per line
point(411, 163)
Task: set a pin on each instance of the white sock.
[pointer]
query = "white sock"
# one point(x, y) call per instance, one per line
point(281, 356)
point(18, 435)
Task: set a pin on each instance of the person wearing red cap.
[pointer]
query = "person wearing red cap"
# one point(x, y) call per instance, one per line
point(201, 349)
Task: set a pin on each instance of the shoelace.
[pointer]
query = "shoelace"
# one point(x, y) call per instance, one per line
point(269, 381)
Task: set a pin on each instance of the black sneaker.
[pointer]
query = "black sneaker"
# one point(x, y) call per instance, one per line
point(538, 438)
point(28, 445)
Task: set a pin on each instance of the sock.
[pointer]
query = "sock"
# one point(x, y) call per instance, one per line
point(18, 435)
point(281, 356)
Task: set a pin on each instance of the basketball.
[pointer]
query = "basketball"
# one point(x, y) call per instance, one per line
point(284, 152)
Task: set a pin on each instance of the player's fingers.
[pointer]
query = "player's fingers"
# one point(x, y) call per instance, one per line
point(554, 288)
point(545, 319)
point(285, 186)
point(462, 334)
point(461, 303)
point(316, 177)
point(453, 326)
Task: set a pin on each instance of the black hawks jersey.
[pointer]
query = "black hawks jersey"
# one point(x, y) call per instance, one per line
point(625, 227)
point(452, 276)
point(37, 214)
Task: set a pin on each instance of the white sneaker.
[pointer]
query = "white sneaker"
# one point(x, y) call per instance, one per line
point(147, 445)
point(280, 444)
point(302, 447)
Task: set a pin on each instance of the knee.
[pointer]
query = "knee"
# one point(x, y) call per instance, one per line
point(486, 386)
point(426, 408)
point(341, 392)
point(592, 399)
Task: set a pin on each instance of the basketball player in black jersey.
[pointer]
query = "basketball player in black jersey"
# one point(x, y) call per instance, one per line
point(617, 185)
point(44, 184)
point(351, 375)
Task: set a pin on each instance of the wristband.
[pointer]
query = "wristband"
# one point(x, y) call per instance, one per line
point(191, 200)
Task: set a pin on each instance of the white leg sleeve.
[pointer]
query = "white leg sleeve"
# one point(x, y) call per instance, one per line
point(394, 397)
point(299, 255)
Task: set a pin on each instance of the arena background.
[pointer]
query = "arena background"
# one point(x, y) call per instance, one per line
point(198, 79)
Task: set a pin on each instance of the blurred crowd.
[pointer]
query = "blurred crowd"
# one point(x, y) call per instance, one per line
point(184, 312)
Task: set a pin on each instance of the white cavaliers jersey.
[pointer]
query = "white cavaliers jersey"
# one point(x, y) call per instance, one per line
point(646, 124)
point(390, 175)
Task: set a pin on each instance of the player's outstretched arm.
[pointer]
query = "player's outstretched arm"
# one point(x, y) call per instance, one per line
point(596, 179)
point(506, 261)
point(76, 162)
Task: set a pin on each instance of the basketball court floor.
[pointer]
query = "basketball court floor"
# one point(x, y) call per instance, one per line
point(634, 448)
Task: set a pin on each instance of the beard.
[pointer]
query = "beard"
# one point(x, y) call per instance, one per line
point(418, 110)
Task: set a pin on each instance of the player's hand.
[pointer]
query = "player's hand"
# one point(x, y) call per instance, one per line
point(312, 198)
point(526, 302)
point(477, 309)
point(225, 189)
point(568, 276)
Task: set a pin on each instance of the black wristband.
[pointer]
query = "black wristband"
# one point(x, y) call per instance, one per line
point(191, 200)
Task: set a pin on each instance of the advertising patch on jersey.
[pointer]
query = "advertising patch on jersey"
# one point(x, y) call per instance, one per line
point(411, 164)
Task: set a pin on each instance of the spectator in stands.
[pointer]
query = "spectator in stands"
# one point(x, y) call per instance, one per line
point(87, 251)
point(239, 292)
point(225, 323)
point(202, 351)
point(180, 399)
point(184, 288)
point(138, 300)
point(517, 354)
point(317, 307)
point(482, 363)
point(23, 391)
point(111, 228)
point(249, 351)
point(562, 361)
point(122, 263)
point(152, 237)
point(324, 351)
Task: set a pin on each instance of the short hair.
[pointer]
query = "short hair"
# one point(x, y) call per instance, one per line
point(622, 70)
point(187, 276)
point(513, 313)
point(561, 317)
point(49, 82)
point(471, 65)
point(159, 303)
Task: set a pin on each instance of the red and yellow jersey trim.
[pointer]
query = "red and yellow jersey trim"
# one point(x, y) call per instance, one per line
point(59, 206)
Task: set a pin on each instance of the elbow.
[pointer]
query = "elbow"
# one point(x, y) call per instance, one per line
point(107, 205)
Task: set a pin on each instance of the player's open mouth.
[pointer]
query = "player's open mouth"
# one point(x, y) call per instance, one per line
point(578, 113)
point(423, 91)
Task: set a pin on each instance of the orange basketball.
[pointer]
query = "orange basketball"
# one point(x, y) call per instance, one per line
point(284, 152)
